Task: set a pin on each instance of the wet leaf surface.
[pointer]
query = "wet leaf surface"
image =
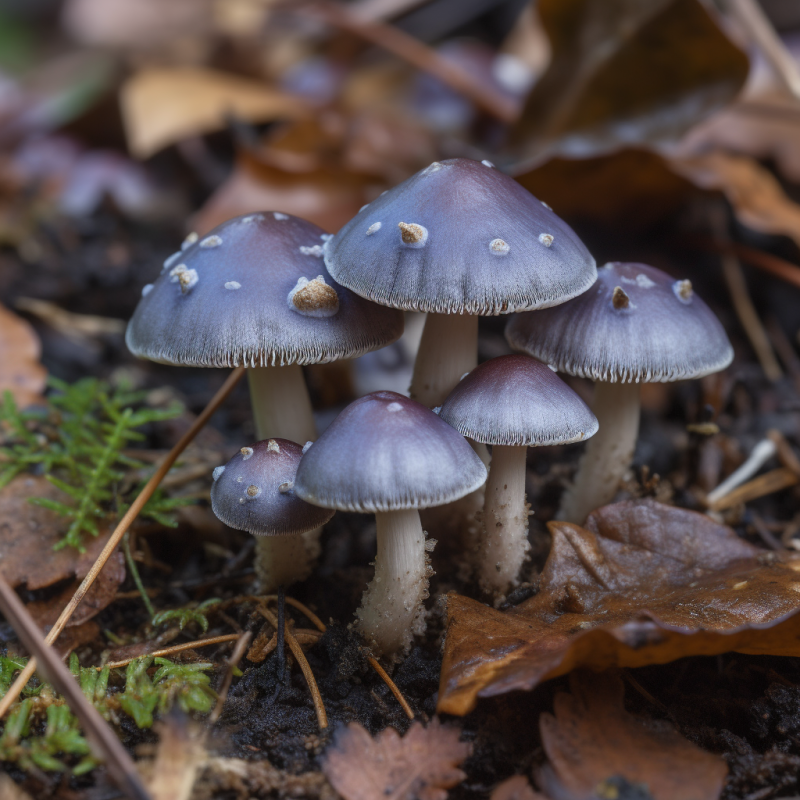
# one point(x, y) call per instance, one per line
point(20, 370)
point(422, 764)
point(627, 71)
point(595, 748)
point(643, 583)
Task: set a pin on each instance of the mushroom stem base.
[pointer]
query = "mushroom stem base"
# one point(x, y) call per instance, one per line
point(282, 407)
point(504, 545)
point(391, 610)
point(608, 453)
point(447, 350)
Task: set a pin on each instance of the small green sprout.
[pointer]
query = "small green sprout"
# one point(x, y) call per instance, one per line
point(186, 616)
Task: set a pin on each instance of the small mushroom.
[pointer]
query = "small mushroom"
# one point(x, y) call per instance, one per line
point(388, 455)
point(512, 403)
point(459, 239)
point(635, 325)
point(254, 492)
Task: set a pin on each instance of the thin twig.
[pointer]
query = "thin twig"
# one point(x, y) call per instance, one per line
point(281, 630)
point(768, 483)
point(759, 456)
point(125, 523)
point(134, 571)
point(415, 53)
point(775, 265)
point(119, 764)
point(392, 686)
point(176, 648)
point(300, 657)
point(233, 661)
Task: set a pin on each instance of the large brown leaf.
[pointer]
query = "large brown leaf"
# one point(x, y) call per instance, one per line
point(625, 72)
point(595, 746)
point(20, 370)
point(643, 583)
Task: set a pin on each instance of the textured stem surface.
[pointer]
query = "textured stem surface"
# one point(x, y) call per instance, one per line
point(504, 545)
point(608, 453)
point(282, 407)
point(448, 349)
point(391, 608)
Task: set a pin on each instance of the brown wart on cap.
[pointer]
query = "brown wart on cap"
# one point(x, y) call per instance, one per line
point(412, 234)
point(313, 298)
point(666, 333)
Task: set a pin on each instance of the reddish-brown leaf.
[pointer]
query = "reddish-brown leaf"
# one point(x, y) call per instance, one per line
point(516, 788)
point(592, 742)
point(421, 765)
point(643, 583)
point(20, 370)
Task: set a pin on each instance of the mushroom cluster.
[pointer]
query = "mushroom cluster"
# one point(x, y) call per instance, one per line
point(457, 240)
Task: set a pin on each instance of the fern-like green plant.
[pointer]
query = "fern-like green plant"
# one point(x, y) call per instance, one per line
point(187, 615)
point(77, 441)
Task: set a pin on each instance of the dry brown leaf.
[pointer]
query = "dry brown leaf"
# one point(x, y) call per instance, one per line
point(421, 765)
point(28, 533)
point(516, 788)
point(20, 370)
point(626, 72)
point(756, 196)
point(162, 106)
point(592, 742)
point(643, 583)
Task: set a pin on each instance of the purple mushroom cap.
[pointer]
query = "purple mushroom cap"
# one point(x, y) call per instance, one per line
point(255, 291)
point(460, 237)
point(385, 452)
point(517, 400)
point(254, 491)
point(636, 324)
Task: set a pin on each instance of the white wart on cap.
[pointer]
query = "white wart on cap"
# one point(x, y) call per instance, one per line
point(255, 292)
point(460, 237)
point(385, 452)
point(254, 491)
point(636, 324)
point(517, 401)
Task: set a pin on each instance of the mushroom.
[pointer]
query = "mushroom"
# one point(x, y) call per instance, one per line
point(254, 492)
point(388, 455)
point(512, 403)
point(255, 292)
point(636, 325)
point(458, 239)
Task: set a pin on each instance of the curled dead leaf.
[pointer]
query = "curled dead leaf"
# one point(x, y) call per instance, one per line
point(421, 765)
point(20, 370)
point(593, 743)
point(626, 71)
point(643, 583)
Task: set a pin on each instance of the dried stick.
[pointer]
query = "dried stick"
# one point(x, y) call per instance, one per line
point(372, 661)
point(768, 483)
point(300, 657)
point(415, 53)
point(119, 764)
point(759, 456)
point(176, 648)
point(131, 514)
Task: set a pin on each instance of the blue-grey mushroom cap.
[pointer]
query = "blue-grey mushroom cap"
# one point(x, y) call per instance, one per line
point(636, 324)
point(254, 491)
point(255, 291)
point(385, 452)
point(460, 237)
point(517, 400)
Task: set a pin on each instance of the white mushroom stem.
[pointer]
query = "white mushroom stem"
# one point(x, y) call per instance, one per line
point(504, 544)
point(761, 453)
point(608, 453)
point(391, 610)
point(448, 350)
point(282, 407)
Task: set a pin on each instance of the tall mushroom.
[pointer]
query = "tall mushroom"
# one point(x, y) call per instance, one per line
point(458, 239)
point(636, 325)
point(512, 403)
point(254, 492)
point(388, 455)
point(255, 292)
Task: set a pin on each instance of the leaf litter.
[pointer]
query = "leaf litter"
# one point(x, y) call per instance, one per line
point(642, 583)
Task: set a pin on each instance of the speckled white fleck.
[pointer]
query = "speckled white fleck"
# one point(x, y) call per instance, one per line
point(683, 291)
point(499, 247)
point(175, 273)
point(546, 205)
point(394, 407)
point(279, 216)
point(172, 259)
point(326, 236)
point(217, 472)
point(247, 452)
point(211, 241)
point(312, 250)
point(189, 240)
point(286, 486)
point(306, 447)
point(546, 239)
point(233, 285)
point(252, 492)
point(146, 289)
point(188, 280)
point(412, 234)
point(374, 228)
point(487, 163)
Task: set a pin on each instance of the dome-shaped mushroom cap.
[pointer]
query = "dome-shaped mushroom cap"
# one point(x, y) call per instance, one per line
point(460, 237)
point(254, 491)
point(385, 452)
point(255, 292)
point(517, 400)
point(636, 324)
